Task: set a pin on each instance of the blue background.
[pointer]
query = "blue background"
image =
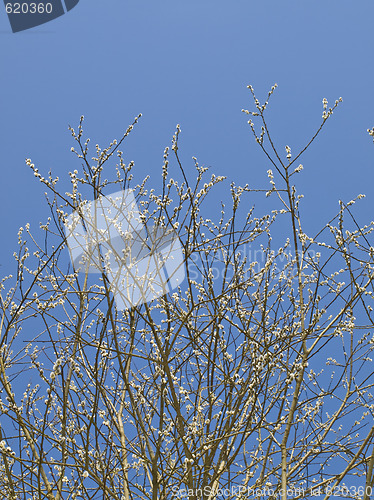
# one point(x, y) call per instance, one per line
point(189, 63)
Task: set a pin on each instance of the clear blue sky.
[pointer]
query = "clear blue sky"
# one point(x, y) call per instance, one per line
point(189, 62)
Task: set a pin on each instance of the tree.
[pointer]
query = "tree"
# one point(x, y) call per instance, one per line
point(251, 379)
